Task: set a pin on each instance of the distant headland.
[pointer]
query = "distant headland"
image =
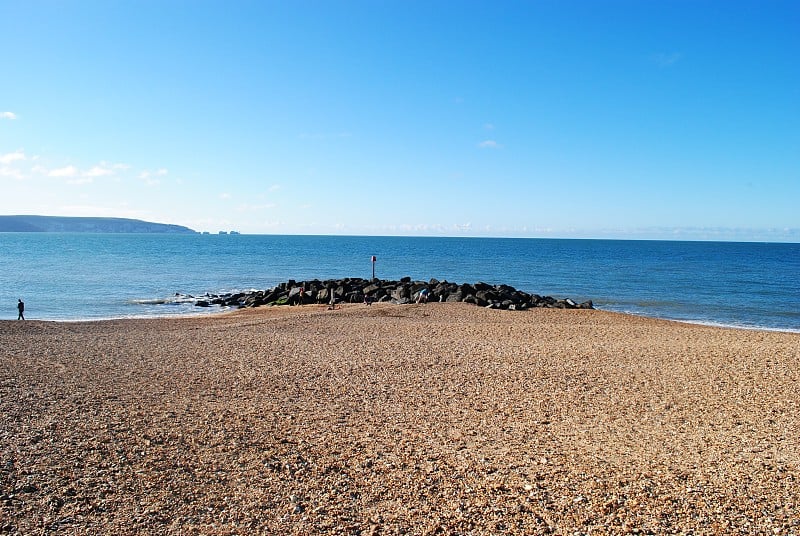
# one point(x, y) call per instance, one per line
point(62, 224)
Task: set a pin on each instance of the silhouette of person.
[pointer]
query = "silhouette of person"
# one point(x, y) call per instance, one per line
point(21, 309)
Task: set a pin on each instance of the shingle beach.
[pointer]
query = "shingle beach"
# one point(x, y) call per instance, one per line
point(440, 418)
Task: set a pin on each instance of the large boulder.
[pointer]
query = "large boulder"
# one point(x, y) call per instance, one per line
point(401, 293)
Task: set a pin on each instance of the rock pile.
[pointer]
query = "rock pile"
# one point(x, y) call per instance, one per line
point(353, 290)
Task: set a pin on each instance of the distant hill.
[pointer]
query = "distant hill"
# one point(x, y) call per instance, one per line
point(60, 224)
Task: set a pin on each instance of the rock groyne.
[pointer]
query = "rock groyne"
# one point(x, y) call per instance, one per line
point(406, 290)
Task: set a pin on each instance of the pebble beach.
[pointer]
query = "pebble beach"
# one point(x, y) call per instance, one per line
point(439, 418)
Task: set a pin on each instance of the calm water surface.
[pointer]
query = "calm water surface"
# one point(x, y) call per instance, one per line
point(92, 276)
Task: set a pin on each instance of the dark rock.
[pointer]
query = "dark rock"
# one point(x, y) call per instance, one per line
point(404, 291)
point(486, 295)
point(457, 296)
point(401, 293)
point(369, 289)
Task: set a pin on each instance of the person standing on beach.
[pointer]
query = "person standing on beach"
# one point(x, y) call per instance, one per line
point(21, 309)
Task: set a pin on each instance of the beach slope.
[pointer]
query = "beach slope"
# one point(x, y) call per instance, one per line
point(418, 419)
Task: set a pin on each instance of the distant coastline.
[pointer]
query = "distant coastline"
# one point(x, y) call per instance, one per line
point(63, 224)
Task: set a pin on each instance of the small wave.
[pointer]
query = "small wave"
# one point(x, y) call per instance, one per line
point(177, 299)
point(695, 320)
point(148, 301)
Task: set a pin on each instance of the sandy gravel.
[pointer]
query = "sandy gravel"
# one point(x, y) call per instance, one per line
point(418, 419)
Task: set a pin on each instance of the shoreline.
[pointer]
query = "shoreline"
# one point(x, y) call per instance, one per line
point(210, 313)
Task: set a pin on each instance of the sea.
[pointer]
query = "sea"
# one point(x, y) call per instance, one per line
point(82, 276)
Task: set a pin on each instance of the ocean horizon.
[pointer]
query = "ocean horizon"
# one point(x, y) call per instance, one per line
point(88, 276)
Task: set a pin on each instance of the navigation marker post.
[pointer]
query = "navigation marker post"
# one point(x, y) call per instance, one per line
point(374, 258)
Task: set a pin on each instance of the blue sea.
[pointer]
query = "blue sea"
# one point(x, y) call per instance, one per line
point(99, 276)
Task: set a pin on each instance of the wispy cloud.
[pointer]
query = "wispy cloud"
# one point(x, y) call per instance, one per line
point(7, 158)
point(665, 59)
point(225, 195)
point(66, 171)
point(147, 173)
point(149, 177)
point(13, 173)
point(99, 171)
point(107, 170)
point(489, 144)
point(8, 115)
point(488, 126)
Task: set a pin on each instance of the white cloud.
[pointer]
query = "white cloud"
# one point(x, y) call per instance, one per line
point(8, 115)
point(7, 158)
point(488, 126)
point(489, 144)
point(99, 171)
point(67, 171)
point(225, 195)
point(162, 171)
point(12, 173)
point(105, 169)
point(81, 180)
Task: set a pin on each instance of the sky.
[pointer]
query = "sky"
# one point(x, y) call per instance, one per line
point(586, 119)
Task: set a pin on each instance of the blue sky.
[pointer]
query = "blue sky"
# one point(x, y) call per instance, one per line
point(623, 119)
